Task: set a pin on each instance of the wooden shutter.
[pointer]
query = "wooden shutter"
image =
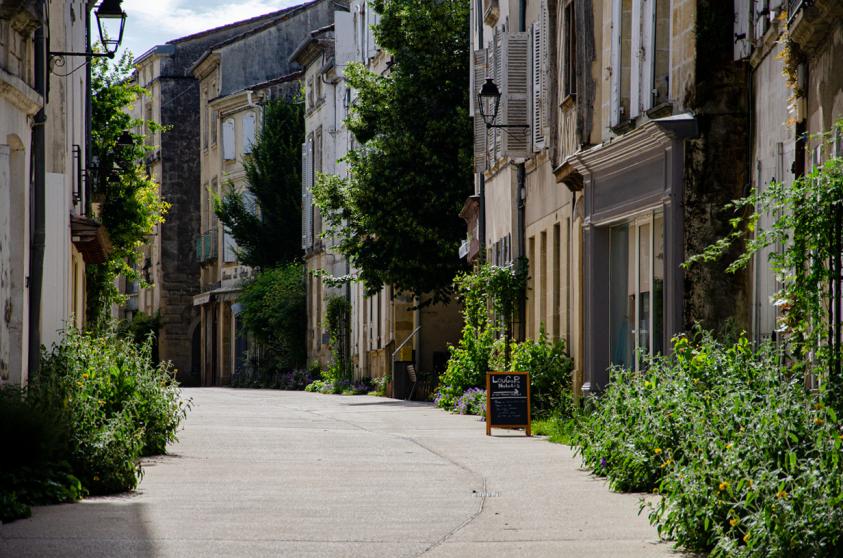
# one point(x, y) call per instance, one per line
point(372, 19)
point(497, 73)
point(306, 194)
point(248, 132)
point(536, 121)
point(480, 131)
point(743, 45)
point(228, 140)
point(515, 72)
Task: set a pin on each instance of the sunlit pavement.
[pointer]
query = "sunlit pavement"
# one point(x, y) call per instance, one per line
point(274, 473)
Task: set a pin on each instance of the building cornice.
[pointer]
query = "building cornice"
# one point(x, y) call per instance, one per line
point(206, 65)
point(19, 93)
point(619, 151)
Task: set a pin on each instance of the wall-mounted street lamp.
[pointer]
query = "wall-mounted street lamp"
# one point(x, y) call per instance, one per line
point(489, 98)
point(111, 22)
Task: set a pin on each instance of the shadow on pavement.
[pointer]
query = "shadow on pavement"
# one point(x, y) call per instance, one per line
point(97, 527)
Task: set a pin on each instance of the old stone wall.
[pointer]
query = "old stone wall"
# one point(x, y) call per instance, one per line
point(716, 171)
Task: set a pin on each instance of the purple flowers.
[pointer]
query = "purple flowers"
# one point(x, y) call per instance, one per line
point(472, 402)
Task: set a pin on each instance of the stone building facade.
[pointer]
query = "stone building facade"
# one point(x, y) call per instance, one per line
point(622, 177)
point(233, 84)
point(171, 264)
point(47, 233)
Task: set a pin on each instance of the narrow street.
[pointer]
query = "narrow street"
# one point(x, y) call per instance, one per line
point(274, 473)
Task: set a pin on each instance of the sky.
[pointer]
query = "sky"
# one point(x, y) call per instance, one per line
point(154, 22)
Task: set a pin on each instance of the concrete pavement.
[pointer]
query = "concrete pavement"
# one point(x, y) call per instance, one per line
point(273, 473)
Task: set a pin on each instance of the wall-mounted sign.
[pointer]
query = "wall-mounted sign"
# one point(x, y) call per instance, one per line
point(507, 401)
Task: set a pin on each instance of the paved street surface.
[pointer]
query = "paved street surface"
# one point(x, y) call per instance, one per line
point(273, 473)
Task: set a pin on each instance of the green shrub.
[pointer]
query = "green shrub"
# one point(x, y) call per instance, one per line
point(746, 459)
point(550, 370)
point(275, 312)
point(315, 386)
point(97, 406)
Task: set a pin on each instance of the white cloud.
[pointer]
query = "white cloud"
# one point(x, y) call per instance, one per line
point(152, 22)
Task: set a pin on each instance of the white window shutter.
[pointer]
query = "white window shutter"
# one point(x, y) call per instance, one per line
point(545, 67)
point(228, 140)
point(372, 20)
point(743, 45)
point(309, 212)
point(480, 131)
point(762, 7)
point(646, 85)
point(515, 88)
point(536, 121)
point(305, 193)
point(248, 132)
point(493, 71)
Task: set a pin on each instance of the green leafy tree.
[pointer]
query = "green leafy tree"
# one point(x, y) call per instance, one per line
point(396, 217)
point(275, 311)
point(131, 202)
point(268, 232)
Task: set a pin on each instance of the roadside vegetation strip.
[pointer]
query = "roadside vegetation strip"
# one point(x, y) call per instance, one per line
point(80, 427)
point(746, 459)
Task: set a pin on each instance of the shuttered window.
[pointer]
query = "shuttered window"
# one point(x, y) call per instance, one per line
point(514, 66)
point(228, 140)
point(248, 132)
point(480, 132)
point(307, 194)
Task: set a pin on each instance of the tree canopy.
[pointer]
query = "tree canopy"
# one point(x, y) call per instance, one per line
point(396, 217)
point(266, 222)
point(131, 204)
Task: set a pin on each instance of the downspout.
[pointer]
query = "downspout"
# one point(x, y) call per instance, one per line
point(481, 175)
point(86, 206)
point(36, 252)
point(521, 197)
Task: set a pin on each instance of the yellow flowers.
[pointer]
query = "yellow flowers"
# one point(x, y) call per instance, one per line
point(79, 384)
point(818, 421)
point(101, 402)
point(781, 494)
point(723, 486)
point(729, 445)
point(85, 376)
point(658, 451)
point(734, 521)
point(746, 538)
point(665, 464)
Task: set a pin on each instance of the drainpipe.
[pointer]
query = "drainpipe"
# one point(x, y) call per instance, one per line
point(36, 251)
point(482, 220)
point(521, 195)
point(86, 206)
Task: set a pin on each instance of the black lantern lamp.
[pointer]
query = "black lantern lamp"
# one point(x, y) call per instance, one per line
point(489, 98)
point(125, 140)
point(111, 21)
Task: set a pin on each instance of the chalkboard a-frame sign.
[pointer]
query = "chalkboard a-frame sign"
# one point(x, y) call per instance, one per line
point(507, 401)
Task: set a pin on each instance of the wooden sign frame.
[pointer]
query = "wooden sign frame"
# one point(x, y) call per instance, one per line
point(526, 427)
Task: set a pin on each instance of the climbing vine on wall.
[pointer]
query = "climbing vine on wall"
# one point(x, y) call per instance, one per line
point(807, 233)
point(130, 202)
